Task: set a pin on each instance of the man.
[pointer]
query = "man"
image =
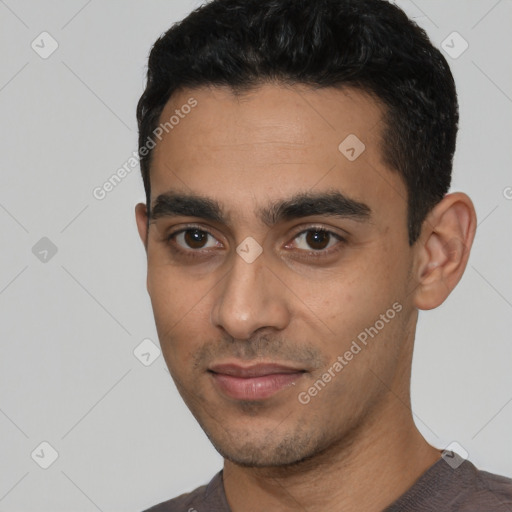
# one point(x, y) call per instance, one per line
point(296, 157)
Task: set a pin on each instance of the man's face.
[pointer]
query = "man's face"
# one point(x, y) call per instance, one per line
point(246, 335)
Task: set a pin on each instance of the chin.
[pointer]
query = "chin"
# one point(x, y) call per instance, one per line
point(266, 452)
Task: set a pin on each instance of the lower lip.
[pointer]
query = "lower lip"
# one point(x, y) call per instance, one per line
point(254, 388)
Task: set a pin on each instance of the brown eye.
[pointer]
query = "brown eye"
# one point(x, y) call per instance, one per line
point(195, 238)
point(318, 240)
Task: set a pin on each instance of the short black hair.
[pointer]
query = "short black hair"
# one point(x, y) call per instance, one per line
point(368, 44)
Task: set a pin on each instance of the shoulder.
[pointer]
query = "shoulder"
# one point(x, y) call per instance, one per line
point(455, 484)
point(184, 503)
point(485, 489)
point(211, 494)
point(464, 487)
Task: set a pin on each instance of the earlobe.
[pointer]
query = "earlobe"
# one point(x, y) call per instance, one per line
point(443, 250)
point(142, 226)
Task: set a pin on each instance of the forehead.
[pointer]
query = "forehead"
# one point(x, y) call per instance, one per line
point(271, 143)
point(292, 118)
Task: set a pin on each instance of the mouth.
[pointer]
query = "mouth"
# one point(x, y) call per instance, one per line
point(256, 382)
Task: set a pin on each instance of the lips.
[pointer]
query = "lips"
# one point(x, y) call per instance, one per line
point(256, 382)
point(257, 370)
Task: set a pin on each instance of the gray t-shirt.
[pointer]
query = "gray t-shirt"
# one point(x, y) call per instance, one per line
point(442, 488)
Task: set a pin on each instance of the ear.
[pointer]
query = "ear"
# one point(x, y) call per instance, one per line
point(442, 250)
point(141, 217)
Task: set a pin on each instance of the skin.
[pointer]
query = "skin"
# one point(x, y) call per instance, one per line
point(353, 446)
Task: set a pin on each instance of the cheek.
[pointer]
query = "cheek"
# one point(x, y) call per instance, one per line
point(181, 309)
point(341, 295)
point(164, 289)
point(349, 301)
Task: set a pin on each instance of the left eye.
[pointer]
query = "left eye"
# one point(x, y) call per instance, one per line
point(316, 239)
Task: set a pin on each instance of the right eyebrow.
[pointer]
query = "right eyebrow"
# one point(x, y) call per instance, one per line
point(173, 204)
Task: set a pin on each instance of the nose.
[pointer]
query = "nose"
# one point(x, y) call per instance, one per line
point(250, 297)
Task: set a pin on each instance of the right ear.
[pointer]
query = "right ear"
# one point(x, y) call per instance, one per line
point(141, 217)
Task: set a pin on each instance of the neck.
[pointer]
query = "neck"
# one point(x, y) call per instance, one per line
point(367, 470)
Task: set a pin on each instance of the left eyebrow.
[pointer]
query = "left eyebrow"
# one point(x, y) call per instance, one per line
point(330, 204)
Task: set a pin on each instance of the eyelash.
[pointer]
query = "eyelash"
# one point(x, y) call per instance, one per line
point(309, 254)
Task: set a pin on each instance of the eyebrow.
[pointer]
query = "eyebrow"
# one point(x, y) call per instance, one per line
point(330, 204)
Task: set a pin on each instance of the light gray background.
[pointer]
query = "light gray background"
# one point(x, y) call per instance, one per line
point(69, 326)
